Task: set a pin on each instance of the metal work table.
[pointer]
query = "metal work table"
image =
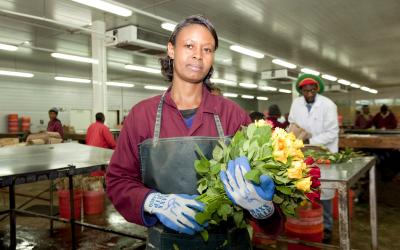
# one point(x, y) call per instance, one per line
point(374, 141)
point(341, 177)
point(19, 165)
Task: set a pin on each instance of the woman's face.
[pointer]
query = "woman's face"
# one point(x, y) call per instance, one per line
point(193, 53)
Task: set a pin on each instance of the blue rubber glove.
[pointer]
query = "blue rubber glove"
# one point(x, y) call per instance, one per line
point(257, 199)
point(175, 211)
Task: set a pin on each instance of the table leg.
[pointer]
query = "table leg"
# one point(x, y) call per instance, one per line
point(344, 221)
point(72, 210)
point(51, 206)
point(13, 221)
point(373, 209)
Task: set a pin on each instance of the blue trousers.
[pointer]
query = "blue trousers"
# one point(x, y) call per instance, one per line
point(328, 216)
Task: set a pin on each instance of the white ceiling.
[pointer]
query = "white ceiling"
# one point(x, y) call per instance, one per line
point(355, 40)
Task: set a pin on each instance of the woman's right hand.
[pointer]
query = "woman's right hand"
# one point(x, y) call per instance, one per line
point(175, 211)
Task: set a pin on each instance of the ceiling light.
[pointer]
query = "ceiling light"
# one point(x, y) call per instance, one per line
point(248, 85)
point(106, 6)
point(247, 96)
point(71, 79)
point(156, 87)
point(267, 88)
point(284, 63)
point(8, 47)
point(373, 91)
point(230, 95)
point(355, 85)
point(329, 77)
point(75, 58)
point(262, 98)
point(363, 88)
point(14, 73)
point(223, 81)
point(121, 84)
point(168, 26)
point(285, 91)
point(344, 82)
point(310, 71)
point(143, 69)
point(245, 51)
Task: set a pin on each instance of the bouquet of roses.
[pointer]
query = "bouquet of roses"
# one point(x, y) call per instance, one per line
point(275, 153)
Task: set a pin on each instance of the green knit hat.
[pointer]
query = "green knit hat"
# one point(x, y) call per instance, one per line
point(306, 79)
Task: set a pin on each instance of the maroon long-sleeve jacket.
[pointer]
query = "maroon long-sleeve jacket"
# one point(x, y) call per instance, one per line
point(124, 185)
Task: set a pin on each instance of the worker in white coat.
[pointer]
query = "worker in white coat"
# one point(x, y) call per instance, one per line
point(317, 115)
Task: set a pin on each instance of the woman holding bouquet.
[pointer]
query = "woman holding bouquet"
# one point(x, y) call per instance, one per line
point(151, 178)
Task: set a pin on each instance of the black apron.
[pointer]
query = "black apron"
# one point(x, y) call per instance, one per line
point(167, 165)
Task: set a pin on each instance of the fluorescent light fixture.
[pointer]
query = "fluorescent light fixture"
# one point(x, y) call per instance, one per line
point(262, 98)
point(373, 91)
point(71, 79)
point(344, 82)
point(355, 85)
point(120, 84)
point(223, 81)
point(106, 6)
point(363, 88)
point(267, 88)
point(14, 73)
point(75, 58)
point(168, 26)
point(284, 63)
point(156, 87)
point(310, 71)
point(230, 95)
point(329, 77)
point(245, 51)
point(143, 69)
point(248, 85)
point(247, 96)
point(8, 47)
point(285, 91)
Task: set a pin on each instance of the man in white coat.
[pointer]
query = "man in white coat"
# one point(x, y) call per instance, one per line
point(317, 115)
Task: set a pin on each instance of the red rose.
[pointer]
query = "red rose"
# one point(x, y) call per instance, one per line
point(315, 172)
point(315, 183)
point(313, 196)
point(309, 160)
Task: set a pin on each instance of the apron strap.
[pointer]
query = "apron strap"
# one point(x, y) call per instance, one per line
point(157, 126)
point(218, 124)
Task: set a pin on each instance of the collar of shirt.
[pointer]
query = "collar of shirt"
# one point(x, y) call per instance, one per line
point(206, 106)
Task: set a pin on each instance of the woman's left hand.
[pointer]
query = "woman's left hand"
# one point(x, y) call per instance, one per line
point(257, 199)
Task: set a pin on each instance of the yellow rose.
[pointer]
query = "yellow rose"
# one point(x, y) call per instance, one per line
point(298, 143)
point(304, 184)
point(295, 173)
point(299, 164)
point(280, 155)
point(261, 123)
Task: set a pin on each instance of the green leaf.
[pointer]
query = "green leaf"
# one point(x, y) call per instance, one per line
point(284, 180)
point(204, 235)
point(202, 166)
point(218, 153)
point(175, 246)
point(253, 175)
point(202, 217)
point(225, 210)
point(277, 199)
point(284, 189)
point(198, 150)
point(250, 130)
point(246, 145)
point(215, 168)
point(238, 218)
point(202, 185)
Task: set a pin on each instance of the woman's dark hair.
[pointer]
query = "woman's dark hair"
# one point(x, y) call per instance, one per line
point(167, 64)
point(255, 116)
point(100, 117)
point(274, 110)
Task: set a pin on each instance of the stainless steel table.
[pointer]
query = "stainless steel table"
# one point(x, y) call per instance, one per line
point(19, 165)
point(342, 176)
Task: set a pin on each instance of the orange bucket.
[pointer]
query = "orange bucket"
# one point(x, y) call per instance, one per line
point(93, 202)
point(307, 226)
point(64, 205)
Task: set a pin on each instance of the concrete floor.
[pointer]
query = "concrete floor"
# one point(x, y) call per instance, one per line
point(33, 233)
